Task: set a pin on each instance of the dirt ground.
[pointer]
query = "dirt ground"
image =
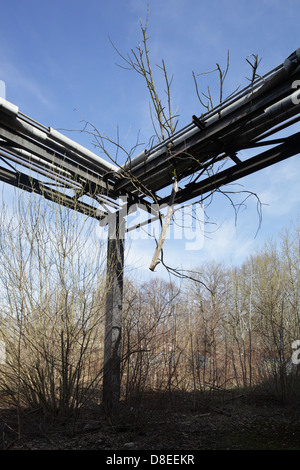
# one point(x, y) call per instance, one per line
point(161, 422)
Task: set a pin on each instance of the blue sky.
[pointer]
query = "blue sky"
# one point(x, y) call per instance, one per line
point(59, 67)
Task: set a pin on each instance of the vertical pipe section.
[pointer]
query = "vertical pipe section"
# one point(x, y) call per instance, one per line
point(113, 316)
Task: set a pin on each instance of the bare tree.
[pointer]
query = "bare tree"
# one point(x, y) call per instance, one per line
point(52, 305)
point(165, 123)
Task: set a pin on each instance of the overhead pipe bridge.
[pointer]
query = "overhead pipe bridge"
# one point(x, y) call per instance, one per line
point(40, 159)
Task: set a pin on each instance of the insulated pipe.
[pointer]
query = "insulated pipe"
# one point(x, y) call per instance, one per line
point(286, 69)
point(72, 145)
point(214, 125)
point(30, 157)
point(78, 168)
point(188, 131)
point(146, 157)
point(40, 169)
point(42, 135)
point(55, 168)
point(280, 111)
point(58, 142)
point(8, 107)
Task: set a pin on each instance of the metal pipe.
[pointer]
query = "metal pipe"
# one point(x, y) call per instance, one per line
point(8, 107)
point(72, 145)
point(235, 113)
point(279, 73)
point(276, 129)
point(182, 135)
point(33, 161)
point(231, 116)
point(143, 157)
point(40, 169)
point(82, 156)
point(46, 135)
point(32, 121)
point(280, 111)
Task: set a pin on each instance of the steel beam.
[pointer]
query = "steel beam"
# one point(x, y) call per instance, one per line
point(77, 170)
point(289, 148)
point(30, 184)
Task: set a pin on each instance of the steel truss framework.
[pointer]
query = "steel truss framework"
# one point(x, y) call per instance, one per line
point(40, 159)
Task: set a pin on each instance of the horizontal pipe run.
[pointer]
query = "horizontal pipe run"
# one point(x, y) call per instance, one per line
point(46, 153)
point(77, 148)
point(8, 107)
point(224, 108)
point(273, 115)
point(221, 129)
point(51, 137)
point(20, 158)
point(236, 172)
point(50, 155)
point(31, 184)
point(237, 121)
point(276, 129)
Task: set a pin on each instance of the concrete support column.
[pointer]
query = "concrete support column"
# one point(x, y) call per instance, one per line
point(113, 318)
